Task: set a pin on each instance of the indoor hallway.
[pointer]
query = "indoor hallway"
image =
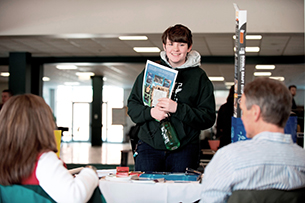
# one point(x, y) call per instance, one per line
point(84, 153)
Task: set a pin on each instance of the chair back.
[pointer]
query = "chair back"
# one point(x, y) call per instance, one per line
point(268, 196)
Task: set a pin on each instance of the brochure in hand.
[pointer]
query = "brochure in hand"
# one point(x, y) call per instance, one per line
point(158, 82)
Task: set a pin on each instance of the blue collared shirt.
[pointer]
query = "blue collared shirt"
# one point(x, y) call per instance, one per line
point(268, 160)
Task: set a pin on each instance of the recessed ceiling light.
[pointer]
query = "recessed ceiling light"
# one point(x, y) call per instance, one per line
point(262, 73)
point(84, 73)
point(45, 79)
point(229, 83)
point(5, 74)
point(265, 67)
point(71, 83)
point(66, 67)
point(146, 49)
point(251, 37)
point(216, 78)
point(280, 78)
point(133, 38)
point(250, 49)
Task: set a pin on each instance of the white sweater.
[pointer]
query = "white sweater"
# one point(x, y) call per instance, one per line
point(56, 180)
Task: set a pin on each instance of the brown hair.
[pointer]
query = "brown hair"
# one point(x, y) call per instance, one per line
point(273, 98)
point(178, 33)
point(26, 131)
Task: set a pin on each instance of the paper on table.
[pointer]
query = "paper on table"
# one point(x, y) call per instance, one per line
point(105, 172)
point(148, 181)
point(100, 173)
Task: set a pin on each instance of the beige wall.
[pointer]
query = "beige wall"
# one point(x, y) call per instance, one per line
point(37, 17)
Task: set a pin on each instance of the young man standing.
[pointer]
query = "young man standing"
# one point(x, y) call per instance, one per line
point(191, 108)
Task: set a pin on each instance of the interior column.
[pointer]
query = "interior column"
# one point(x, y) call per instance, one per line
point(96, 110)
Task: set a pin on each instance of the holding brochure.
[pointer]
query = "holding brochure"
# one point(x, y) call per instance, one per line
point(179, 90)
point(158, 83)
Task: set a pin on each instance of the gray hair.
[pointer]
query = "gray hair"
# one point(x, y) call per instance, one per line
point(273, 98)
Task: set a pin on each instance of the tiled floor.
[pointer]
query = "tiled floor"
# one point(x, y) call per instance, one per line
point(84, 153)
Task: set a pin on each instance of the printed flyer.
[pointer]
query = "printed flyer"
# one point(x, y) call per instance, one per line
point(158, 82)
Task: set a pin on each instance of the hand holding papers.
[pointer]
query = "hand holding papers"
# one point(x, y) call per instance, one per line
point(158, 82)
point(167, 105)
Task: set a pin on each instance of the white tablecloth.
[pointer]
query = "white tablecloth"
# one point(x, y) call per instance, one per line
point(125, 191)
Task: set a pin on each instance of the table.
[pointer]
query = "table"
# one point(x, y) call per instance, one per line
point(127, 191)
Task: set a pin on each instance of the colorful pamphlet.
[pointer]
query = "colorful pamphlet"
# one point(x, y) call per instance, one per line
point(158, 82)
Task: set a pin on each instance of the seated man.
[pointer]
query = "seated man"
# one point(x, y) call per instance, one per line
point(270, 160)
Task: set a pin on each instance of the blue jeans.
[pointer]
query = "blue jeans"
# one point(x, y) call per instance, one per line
point(153, 160)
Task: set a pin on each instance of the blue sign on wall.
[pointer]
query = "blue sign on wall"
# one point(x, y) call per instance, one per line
point(238, 132)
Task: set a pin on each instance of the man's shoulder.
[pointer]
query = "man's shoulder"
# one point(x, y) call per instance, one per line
point(236, 149)
point(236, 145)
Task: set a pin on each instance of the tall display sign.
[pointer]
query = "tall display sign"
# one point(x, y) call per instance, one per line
point(240, 57)
point(238, 132)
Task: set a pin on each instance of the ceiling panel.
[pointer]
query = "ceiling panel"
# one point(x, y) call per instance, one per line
point(220, 45)
point(295, 46)
point(274, 45)
point(124, 74)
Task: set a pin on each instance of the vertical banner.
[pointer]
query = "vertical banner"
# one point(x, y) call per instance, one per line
point(240, 57)
point(238, 132)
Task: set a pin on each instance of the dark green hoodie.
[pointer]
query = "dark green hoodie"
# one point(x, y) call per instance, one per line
point(194, 94)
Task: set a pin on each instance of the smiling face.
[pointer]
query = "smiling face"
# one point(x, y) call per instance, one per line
point(176, 52)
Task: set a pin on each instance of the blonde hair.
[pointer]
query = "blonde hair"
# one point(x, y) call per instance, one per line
point(26, 130)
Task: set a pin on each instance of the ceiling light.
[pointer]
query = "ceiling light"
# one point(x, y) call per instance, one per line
point(251, 37)
point(5, 74)
point(280, 78)
point(104, 79)
point(66, 67)
point(71, 83)
point(216, 78)
point(250, 49)
point(45, 79)
point(133, 38)
point(262, 73)
point(84, 75)
point(265, 67)
point(229, 83)
point(146, 49)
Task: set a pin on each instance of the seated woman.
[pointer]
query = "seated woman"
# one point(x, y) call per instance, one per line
point(28, 152)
